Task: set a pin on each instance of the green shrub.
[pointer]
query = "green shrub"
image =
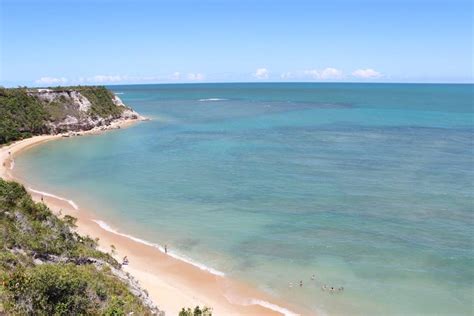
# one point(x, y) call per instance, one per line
point(197, 311)
point(23, 115)
point(69, 286)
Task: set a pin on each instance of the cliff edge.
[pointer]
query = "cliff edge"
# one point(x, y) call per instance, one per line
point(25, 112)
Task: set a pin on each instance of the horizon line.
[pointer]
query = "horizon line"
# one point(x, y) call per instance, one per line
point(238, 82)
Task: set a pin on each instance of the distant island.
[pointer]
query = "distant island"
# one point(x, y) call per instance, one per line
point(26, 112)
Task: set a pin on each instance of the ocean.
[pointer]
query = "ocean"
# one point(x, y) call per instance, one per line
point(367, 186)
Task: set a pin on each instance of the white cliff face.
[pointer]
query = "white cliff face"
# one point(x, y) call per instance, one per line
point(127, 113)
point(117, 101)
point(70, 96)
point(74, 114)
point(70, 120)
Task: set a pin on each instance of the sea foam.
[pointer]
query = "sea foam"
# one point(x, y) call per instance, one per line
point(71, 202)
point(201, 266)
point(273, 307)
point(244, 301)
point(211, 99)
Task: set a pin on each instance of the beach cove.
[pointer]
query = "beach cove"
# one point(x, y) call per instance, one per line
point(171, 282)
point(365, 186)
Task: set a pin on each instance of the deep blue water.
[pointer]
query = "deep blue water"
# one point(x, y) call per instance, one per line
point(368, 186)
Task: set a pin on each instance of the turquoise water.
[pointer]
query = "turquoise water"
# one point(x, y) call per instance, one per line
point(368, 186)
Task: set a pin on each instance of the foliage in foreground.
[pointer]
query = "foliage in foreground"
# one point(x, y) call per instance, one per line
point(197, 311)
point(47, 269)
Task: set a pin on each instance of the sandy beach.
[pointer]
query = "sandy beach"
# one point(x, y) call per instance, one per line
point(170, 282)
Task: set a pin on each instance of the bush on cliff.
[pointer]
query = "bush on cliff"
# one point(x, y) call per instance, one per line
point(47, 269)
point(23, 115)
point(197, 311)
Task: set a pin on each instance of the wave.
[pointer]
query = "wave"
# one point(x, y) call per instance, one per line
point(238, 300)
point(201, 266)
point(71, 202)
point(273, 307)
point(118, 93)
point(212, 99)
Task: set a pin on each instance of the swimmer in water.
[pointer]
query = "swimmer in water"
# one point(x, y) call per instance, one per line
point(313, 277)
point(301, 283)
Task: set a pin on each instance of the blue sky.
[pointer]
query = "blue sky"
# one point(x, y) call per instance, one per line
point(113, 42)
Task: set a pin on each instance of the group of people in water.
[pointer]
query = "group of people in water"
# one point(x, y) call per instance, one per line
point(330, 289)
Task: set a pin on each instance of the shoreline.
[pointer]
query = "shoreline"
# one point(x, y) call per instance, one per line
point(173, 282)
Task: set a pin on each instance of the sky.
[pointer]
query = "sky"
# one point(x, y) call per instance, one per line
point(52, 42)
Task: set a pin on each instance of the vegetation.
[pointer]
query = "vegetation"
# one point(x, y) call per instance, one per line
point(197, 311)
point(23, 114)
point(48, 269)
point(101, 99)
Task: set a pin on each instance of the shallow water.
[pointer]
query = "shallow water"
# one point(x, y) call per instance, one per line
point(367, 186)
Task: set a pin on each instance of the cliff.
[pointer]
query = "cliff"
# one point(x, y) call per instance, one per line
point(25, 111)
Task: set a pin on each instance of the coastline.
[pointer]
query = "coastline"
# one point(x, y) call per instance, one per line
point(172, 282)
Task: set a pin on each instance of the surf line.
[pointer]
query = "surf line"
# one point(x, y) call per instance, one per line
point(201, 266)
point(71, 202)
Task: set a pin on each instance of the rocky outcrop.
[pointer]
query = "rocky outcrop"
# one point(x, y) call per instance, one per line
point(75, 98)
point(71, 110)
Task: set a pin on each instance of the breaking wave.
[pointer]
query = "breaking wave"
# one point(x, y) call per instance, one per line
point(201, 266)
point(71, 202)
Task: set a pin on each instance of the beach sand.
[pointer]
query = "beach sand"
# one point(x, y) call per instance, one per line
point(170, 282)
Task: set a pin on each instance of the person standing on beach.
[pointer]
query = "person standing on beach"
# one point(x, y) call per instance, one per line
point(166, 249)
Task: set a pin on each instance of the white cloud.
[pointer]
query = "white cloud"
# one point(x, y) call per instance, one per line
point(331, 73)
point(326, 73)
point(176, 75)
point(366, 73)
point(195, 76)
point(110, 79)
point(51, 80)
point(261, 73)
